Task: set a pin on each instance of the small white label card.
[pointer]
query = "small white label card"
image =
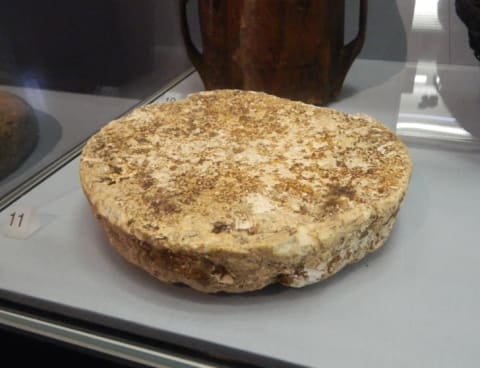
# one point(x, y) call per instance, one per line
point(19, 223)
point(171, 97)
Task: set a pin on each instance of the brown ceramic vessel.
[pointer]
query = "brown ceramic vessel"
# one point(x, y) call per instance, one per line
point(290, 48)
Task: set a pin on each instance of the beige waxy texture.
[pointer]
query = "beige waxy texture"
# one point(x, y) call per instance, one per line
point(231, 191)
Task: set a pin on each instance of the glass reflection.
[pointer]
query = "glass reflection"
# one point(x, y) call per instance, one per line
point(80, 65)
point(425, 16)
point(442, 106)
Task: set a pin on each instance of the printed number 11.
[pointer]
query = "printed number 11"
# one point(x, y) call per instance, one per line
point(14, 216)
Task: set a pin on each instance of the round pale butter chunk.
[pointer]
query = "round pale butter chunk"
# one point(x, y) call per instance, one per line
point(232, 190)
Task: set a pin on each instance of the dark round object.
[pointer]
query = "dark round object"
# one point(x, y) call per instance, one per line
point(469, 13)
point(18, 132)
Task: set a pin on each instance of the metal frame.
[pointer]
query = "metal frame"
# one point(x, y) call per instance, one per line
point(102, 343)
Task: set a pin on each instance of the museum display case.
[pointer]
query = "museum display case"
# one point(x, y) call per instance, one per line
point(411, 303)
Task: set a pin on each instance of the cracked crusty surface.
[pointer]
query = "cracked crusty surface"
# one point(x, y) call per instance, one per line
point(231, 190)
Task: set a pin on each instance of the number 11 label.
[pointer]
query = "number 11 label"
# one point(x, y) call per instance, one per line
point(19, 223)
point(19, 218)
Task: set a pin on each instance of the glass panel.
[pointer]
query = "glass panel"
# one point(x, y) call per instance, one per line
point(440, 103)
point(77, 66)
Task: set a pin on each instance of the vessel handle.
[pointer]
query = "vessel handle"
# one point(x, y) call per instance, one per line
point(195, 56)
point(352, 49)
